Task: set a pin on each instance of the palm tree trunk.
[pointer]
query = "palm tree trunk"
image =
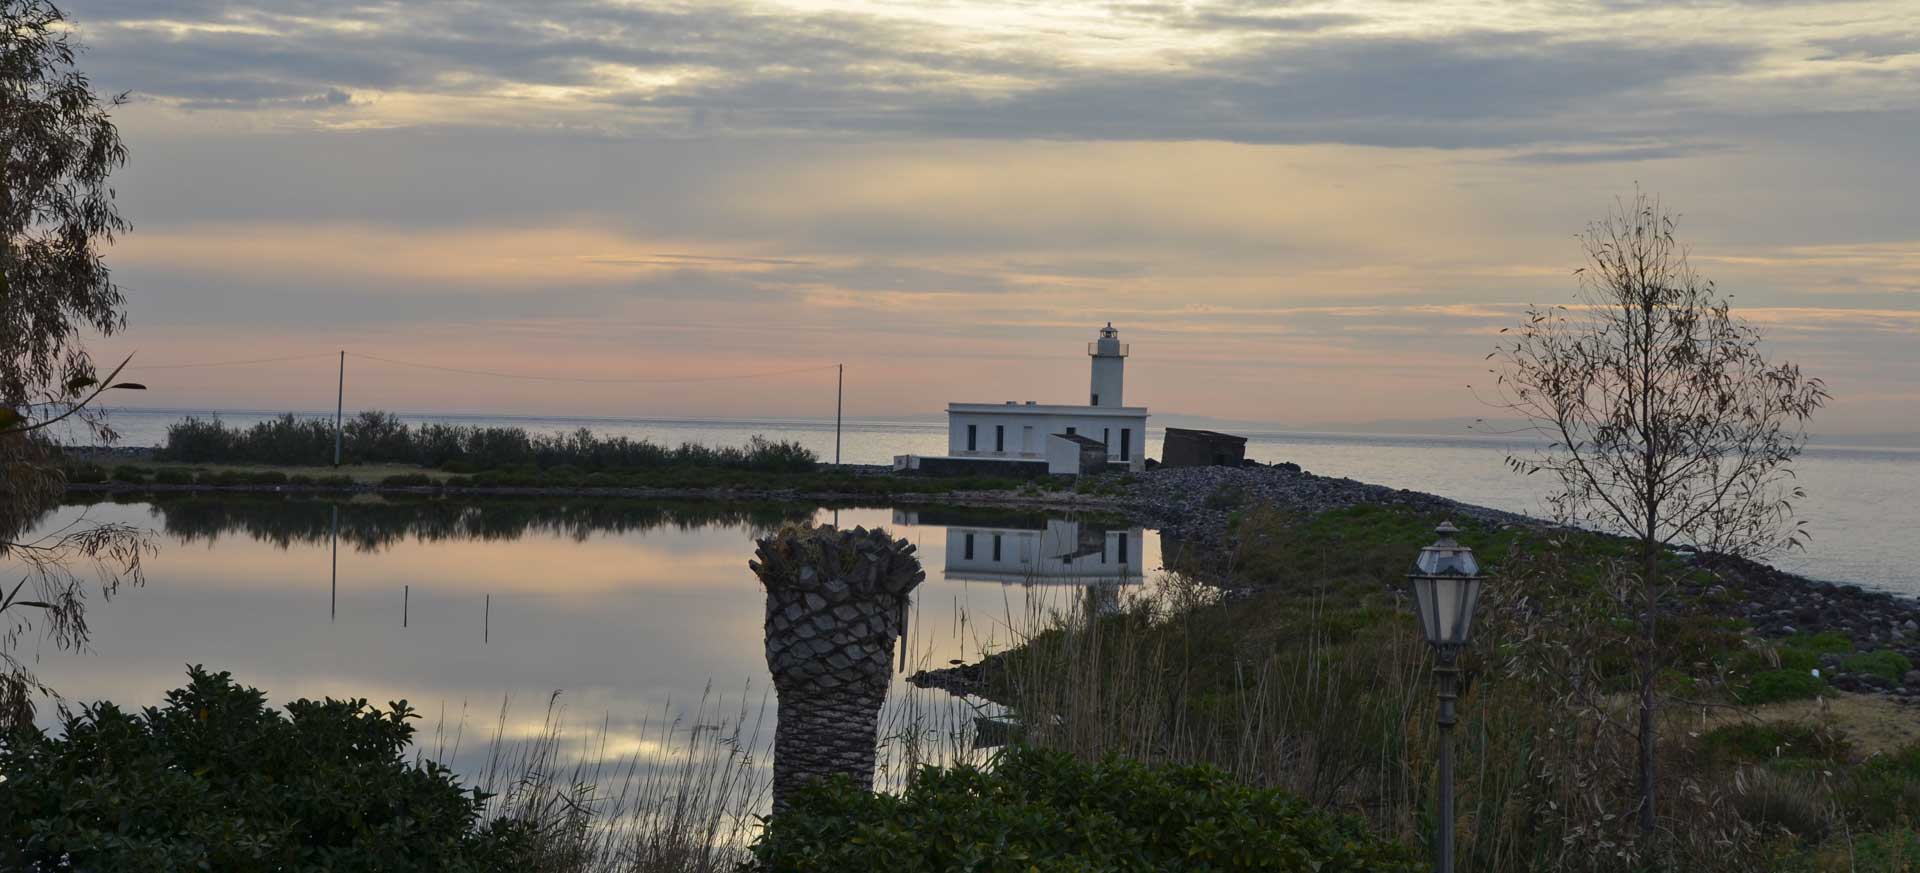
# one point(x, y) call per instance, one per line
point(835, 605)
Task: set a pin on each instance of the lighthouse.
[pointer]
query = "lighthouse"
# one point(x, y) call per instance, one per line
point(1019, 439)
point(1109, 367)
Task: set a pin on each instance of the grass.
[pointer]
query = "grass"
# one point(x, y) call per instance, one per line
point(1320, 684)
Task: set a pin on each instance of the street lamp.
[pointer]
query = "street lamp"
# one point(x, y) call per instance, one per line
point(1446, 586)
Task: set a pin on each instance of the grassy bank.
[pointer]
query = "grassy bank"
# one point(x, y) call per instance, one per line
point(164, 475)
point(1319, 684)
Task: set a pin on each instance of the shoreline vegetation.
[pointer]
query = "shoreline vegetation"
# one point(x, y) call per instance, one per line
point(1277, 650)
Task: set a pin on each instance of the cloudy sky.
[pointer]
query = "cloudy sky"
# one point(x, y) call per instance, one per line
point(1297, 212)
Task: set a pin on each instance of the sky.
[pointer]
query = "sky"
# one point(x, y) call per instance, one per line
point(1296, 212)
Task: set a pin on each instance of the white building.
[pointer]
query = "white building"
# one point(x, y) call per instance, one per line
point(1021, 431)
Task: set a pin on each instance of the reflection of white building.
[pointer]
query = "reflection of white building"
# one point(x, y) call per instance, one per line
point(1023, 432)
point(1050, 552)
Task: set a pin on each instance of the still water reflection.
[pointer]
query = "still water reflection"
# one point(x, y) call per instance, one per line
point(631, 609)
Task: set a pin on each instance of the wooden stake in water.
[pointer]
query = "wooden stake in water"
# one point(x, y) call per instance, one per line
point(406, 595)
point(839, 396)
point(486, 621)
point(339, 406)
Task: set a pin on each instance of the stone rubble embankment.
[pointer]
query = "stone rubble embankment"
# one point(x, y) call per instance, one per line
point(1193, 503)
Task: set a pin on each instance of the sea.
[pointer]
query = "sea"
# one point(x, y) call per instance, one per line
point(1859, 503)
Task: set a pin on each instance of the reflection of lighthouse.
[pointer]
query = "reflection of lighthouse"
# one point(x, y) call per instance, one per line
point(1019, 550)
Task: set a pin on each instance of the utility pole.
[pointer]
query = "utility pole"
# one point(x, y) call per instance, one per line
point(339, 405)
point(839, 397)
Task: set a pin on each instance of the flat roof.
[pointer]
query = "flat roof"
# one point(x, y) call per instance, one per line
point(1204, 434)
point(1048, 409)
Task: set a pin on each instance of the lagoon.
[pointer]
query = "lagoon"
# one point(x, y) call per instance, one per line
point(632, 611)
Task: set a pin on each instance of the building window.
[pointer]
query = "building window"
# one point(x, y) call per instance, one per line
point(1096, 400)
point(1106, 439)
point(1071, 431)
point(1123, 548)
point(1126, 444)
point(996, 547)
point(969, 548)
point(999, 437)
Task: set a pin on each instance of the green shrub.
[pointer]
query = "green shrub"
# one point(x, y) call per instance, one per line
point(265, 477)
point(335, 481)
point(380, 437)
point(172, 477)
point(1754, 742)
point(1823, 643)
point(197, 440)
point(1774, 686)
point(1044, 812)
point(128, 473)
point(1892, 851)
point(214, 779)
point(407, 480)
point(300, 479)
point(1885, 663)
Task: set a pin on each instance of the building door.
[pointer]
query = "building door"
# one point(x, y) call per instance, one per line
point(999, 437)
point(1126, 444)
point(973, 437)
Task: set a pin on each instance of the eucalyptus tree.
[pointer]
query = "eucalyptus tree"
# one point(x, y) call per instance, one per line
point(1665, 420)
point(58, 145)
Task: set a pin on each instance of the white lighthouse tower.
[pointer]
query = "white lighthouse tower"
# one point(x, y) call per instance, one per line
point(1109, 367)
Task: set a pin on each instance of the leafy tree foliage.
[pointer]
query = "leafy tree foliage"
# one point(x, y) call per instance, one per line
point(1044, 811)
point(216, 780)
point(57, 147)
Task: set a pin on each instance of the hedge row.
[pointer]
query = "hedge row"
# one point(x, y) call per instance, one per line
point(381, 438)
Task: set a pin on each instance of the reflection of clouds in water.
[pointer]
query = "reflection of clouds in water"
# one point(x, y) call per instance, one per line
point(656, 617)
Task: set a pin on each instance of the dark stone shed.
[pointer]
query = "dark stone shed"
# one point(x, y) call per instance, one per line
point(1202, 448)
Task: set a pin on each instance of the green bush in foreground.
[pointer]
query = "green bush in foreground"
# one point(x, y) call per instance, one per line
point(1756, 742)
point(1044, 812)
point(214, 779)
point(1774, 686)
point(1884, 663)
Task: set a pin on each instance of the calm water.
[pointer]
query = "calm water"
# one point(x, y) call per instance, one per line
point(1860, 503)
point(635, 610)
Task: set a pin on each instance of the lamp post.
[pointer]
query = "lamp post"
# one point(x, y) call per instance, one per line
point(1445, 583)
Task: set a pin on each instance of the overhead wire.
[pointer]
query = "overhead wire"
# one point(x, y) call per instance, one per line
point(137, 365)
point(604, 381)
